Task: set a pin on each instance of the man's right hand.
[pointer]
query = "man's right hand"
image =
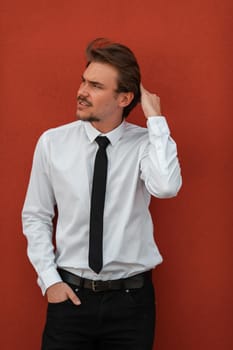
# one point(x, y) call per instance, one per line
point(59, 292)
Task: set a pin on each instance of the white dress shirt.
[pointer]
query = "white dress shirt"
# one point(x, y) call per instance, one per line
point(141, 162)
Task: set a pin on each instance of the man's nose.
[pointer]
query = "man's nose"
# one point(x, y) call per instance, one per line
point(83, 90)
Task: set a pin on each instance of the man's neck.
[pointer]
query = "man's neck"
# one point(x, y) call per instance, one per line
point(105, 127)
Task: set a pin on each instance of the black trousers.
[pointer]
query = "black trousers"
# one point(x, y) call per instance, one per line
point(112, 320)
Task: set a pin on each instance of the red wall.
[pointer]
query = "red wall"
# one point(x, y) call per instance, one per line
point(185, 53)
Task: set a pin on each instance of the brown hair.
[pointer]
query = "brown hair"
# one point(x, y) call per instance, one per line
point(122, 58)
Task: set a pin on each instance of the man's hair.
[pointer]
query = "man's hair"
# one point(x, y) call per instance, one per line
point(122, 58)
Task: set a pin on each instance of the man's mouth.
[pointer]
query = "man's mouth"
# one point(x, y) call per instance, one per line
point(84, 102)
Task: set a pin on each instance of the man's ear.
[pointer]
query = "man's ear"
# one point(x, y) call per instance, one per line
point(125, 98)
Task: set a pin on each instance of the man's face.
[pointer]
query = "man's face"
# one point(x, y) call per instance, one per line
point(97, 98)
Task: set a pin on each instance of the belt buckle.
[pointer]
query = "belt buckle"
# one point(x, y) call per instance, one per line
point(99, 286)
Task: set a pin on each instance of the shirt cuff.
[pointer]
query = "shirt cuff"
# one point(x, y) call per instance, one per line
point(48, 278)
point(158, 125)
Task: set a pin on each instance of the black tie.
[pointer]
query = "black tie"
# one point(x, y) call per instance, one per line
point(97, 205)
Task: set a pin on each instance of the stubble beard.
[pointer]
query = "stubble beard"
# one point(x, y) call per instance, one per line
point(87, 118)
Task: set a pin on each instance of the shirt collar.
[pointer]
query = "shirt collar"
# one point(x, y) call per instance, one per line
point(113, 135)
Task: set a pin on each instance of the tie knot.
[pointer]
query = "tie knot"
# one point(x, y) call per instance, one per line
point(102, 141)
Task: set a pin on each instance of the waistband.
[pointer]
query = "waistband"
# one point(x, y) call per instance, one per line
point(133, 282)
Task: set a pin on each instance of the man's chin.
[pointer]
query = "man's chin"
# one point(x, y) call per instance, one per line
point(88, 118)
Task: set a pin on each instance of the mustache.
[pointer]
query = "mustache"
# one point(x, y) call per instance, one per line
point(83, 99)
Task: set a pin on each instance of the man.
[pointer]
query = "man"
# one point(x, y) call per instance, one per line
point(99, 172)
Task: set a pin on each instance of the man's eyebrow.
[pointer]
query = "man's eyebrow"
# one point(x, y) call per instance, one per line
point(93, 82)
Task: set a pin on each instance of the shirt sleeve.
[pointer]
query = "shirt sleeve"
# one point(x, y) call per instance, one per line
point(37, 218)
point(160, 168)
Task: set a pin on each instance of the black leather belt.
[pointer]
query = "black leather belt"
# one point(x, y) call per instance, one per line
point(134, 282)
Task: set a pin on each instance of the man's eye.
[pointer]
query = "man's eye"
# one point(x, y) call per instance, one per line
point(96, 85)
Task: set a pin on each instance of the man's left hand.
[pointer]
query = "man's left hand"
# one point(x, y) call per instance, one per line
point(150, 103)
